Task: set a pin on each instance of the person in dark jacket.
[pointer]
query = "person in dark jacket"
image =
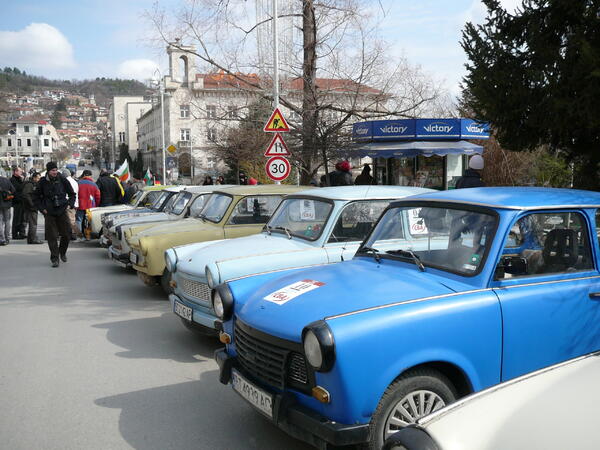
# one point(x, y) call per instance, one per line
point(29, 210)
point(341, 175)
point(18, 224)
point(472, 176)
point(53, 196)
point(110, 190)
point(365, 177)
point(7, 192)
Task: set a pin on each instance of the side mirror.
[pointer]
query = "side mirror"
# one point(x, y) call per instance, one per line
point(514, 265)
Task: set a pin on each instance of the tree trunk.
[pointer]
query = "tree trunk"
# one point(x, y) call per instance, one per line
point(309, 100)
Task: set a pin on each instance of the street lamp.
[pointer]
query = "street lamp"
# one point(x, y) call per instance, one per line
point(161, 87)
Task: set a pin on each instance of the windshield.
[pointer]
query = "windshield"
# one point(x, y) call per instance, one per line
point(198, 205)
point(452, 239)
point(216, 206)
point(178, 203)
point(136, 198)
point(301, 217)
point(356, 220)
point(160, 201)
point(252, 210)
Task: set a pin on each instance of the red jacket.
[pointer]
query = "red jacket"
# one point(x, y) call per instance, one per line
point(89, 194)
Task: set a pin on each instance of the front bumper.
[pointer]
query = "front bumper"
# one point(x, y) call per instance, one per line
point(198, 315)
point(105, 241)
point(121, 259)
point(297, 420)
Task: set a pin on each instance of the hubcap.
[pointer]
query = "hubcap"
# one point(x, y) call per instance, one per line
point(412, 407)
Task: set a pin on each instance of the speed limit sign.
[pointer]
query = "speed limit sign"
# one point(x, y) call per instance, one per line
point(278, 168)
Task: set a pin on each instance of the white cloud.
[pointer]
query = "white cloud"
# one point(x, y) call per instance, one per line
point(137, 69)
point(477, 11)
point(38, 46)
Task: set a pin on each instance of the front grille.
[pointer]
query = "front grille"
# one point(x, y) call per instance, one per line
point(195, 289)
point(272, 364)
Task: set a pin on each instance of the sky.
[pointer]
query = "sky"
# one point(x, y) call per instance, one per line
point(85, 39)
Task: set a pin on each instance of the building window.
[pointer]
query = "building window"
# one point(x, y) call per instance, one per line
point(211, 162)
point(231, 112)
point(211, 134)
point(18, 142)
point(40, 130)
point(10, 142)
point(46, 142)
point(28, 142)
point(26, 128)
point(185, 134)
point(184, 111)
point(211, 111)
point(122, 137)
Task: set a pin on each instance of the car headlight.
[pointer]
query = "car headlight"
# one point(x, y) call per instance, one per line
point(222, 301)
point(171, 260)
point(209, 278)
point(319, 346)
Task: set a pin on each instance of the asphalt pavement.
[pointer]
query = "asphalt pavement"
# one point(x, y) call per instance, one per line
point(90, 358)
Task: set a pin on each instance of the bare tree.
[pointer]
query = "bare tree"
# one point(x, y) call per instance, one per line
point(338, 71)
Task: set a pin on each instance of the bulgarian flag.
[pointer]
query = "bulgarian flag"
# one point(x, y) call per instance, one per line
point(148, 178)
point(123, 172)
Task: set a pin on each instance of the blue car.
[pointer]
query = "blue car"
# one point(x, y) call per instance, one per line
point(317, 226)
point(452, 292)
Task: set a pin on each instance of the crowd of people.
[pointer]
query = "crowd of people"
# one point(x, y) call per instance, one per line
point(62, 200)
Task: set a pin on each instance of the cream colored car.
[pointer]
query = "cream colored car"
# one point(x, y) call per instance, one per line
point(231, 212)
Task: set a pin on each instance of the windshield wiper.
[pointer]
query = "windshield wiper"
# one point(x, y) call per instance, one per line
point(202, 217)
point(268, 228)
point(372, 250)
point(287, 231)
point(410, 254)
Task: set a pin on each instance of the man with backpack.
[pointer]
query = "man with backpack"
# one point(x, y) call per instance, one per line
point(7, 193)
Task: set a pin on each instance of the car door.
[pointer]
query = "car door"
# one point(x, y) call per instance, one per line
point(250, 214)
point(352, 225)
point(549, 309)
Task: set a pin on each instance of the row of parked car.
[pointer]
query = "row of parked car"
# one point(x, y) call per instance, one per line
point(360, 314)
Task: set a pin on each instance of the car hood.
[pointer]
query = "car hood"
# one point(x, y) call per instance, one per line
point(180, 226)
point(228, 255)
point(144, 218)
point(119, 216)
point(346, 287)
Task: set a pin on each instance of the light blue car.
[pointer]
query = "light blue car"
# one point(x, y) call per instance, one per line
point(317, 226)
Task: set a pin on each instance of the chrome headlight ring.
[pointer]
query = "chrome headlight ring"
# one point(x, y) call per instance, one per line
point(222, 301)
point(171, 260)
point(210, 279)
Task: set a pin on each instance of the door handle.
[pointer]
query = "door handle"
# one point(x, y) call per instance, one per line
point(595, 295)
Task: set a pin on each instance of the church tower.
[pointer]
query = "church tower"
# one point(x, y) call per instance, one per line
point(181, 63)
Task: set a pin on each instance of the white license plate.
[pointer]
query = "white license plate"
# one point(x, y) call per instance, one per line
point(182, 311)
point(133, 258)
point(260, 399)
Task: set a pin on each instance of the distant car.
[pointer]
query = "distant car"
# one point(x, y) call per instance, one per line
point(186, 203)
point(452, 292)
point(518, 414)
point(142, 199)
point(317, 226)
point(229, 212)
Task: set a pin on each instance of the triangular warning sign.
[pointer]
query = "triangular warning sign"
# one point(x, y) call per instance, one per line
point(277, 147)
point(276, 123)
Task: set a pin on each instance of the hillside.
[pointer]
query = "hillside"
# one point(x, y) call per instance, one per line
point(15, 81)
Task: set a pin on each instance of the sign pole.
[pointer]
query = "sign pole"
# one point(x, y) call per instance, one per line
point(275, 58)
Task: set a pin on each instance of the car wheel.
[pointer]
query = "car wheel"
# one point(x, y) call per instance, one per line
point(165, 279)
point(199, 329)
point(413, 395)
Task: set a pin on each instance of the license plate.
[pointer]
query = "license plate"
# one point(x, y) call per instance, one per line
point(133, 258)
point(182, 311)
point(260, 399)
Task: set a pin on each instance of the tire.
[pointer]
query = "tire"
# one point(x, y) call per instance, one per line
point(199, 329)
point(165, 279)
point(437, 391)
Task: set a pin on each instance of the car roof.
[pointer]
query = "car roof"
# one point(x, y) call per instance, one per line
point(521, 198)
point(362, 192)
point(207, 188)
point(262, 189)
point(156, 187)
point(175, 188)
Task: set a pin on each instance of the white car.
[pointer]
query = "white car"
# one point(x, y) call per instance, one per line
point(555, 408)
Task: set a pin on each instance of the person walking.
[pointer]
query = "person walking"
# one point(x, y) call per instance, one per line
point(30, 212)
point(18, 225)
point(472, 176)
point(52, 197)
point(75, 233)
point(365, 177)
point(89, 196)
point(7, 192)
point(110, 189)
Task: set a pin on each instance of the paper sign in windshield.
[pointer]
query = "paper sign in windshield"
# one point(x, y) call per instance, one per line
point(287, 293)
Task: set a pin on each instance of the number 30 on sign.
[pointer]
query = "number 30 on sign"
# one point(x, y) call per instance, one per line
point(278, 168)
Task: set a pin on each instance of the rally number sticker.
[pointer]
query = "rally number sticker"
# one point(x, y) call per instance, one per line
point(285, 294)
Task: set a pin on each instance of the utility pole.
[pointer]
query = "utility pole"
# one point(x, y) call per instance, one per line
point(275, 57)
point(162, 127)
